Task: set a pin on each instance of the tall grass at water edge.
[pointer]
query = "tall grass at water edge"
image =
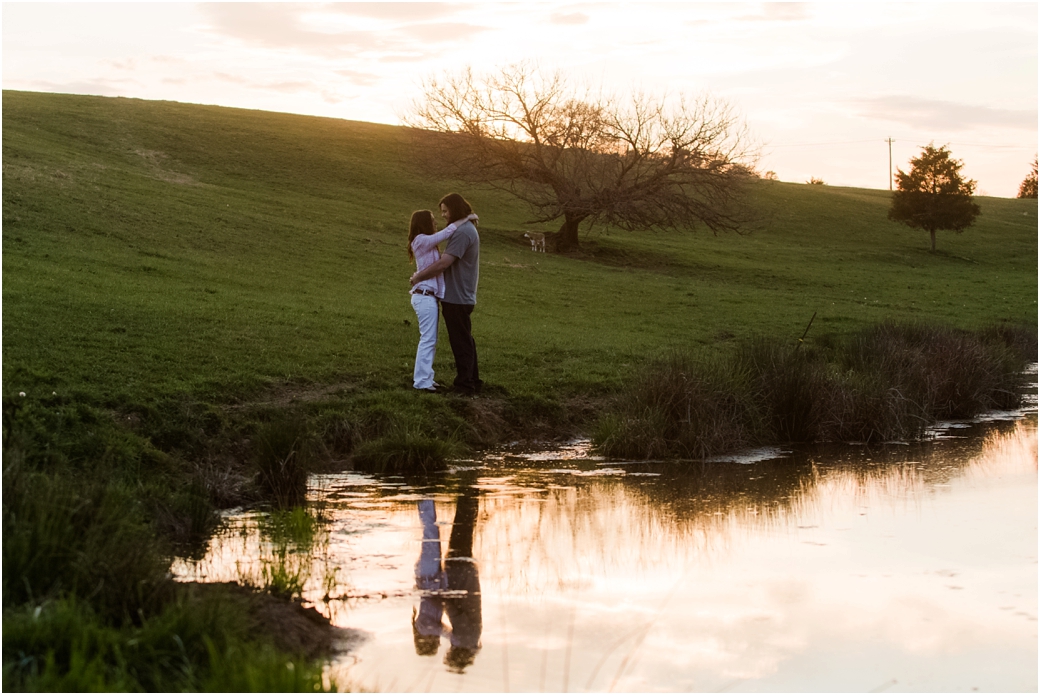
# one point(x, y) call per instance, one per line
point(88, 603)
point(283, 455)
point(679, 406)
point(202, 644)
point(406, 450)
point(888, 382)
point(292, 540)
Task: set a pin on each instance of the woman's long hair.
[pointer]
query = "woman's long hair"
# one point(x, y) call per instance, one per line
point(421, 223)
point(458, 208)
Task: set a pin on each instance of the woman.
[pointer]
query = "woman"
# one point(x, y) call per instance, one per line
point(422, 248)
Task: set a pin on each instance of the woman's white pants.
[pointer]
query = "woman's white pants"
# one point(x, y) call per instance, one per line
point(427, 311)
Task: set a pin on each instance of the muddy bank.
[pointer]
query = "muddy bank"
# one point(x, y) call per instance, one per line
point(290, 626)
point(245, 450)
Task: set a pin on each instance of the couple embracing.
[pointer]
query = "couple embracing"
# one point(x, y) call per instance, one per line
point(445, 283)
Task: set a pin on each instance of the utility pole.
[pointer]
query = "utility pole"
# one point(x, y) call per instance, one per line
point(890, 141)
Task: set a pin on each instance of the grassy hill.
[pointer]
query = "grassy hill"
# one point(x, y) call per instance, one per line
point(190, 292)
point(151, 248)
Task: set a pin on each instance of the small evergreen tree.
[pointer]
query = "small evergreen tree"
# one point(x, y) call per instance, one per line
point(1028, 187)
point(933, 195)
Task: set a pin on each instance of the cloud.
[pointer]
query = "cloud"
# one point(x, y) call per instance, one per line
point(571, 18)
point(128, 64)
point(409, 11)
point(171, 60)
point(779, 12)
point(281, 26)
point(283, 87)
point(931, 114)
point(287, 87)
point(327, 30)
point(103, 88)
point(331, 97)
point(443, 32)
point(225, 77)
point(404, 58)
point(361, 79)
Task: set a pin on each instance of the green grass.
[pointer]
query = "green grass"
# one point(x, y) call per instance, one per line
point(207, 644)
point(155, 248)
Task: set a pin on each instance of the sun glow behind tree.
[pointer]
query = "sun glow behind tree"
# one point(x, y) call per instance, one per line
point(822, 84)
point(637, 161)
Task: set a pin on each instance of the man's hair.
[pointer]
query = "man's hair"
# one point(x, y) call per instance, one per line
point(421, 223)
point(458, 208)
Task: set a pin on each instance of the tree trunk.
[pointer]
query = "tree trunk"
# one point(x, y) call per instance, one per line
point(567, 237)
point(933, 238)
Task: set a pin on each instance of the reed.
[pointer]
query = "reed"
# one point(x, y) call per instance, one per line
point(406, 450)
point(788, 383)
point(945, 372)
point(284, 456)
point(291, 538)
point(887, 382)
point(679, 407)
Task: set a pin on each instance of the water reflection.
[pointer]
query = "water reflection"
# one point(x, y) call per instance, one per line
point(832, 568)
point(452, 587)
point(430, 581)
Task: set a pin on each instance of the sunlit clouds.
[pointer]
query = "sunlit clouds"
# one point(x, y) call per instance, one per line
point(822, 85)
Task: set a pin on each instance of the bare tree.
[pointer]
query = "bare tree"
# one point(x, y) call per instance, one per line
point(637, 163)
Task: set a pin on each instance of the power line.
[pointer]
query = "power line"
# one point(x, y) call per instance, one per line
point(977, 144)
point(819, 144)
point(854, 142)
point(890, 140)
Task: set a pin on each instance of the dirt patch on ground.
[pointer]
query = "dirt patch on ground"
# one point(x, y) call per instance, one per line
point(156, 162)
point(291, 626)
point(286, 394)
point(485, 419)
point(300, 629)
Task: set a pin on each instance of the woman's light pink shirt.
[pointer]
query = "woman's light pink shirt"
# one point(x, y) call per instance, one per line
point(424, 248)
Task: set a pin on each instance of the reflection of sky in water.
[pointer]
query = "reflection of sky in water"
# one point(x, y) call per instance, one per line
point(909, 567)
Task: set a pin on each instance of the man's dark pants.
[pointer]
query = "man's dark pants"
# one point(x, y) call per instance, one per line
point(463, 347)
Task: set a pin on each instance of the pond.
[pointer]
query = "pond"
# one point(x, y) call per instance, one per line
point(841, 568)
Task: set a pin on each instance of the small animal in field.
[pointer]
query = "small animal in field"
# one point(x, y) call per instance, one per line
point(537, 240)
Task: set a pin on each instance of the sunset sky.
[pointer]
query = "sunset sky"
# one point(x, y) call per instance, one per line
point(821, 85)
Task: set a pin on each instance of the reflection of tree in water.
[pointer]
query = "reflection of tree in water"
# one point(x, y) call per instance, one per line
point(768, 488)
point(595, 524)
point(452, 589)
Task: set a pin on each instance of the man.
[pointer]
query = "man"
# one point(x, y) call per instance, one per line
point(460, 264)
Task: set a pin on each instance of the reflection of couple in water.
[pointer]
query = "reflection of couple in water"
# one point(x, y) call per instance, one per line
point(451, 587)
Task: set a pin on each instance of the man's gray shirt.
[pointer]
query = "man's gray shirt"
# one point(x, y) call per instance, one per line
point(460, 278)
